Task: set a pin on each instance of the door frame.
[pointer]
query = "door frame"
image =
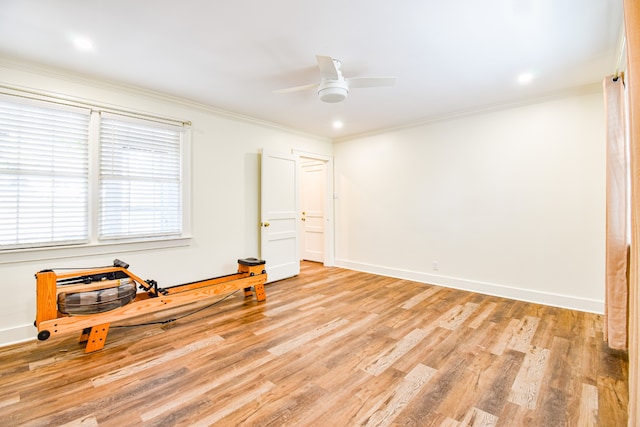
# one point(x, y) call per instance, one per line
point(329, 230)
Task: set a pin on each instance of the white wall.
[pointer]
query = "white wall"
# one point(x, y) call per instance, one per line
point(225, 194)
point(508, 202)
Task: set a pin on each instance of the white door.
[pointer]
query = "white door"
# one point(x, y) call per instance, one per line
point(279, 220)
point(312, 179)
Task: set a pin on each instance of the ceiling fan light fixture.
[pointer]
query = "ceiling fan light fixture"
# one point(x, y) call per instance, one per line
point(333, 87)
point(333, 94)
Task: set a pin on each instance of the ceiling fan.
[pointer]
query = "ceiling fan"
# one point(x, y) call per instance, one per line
point(333, 87)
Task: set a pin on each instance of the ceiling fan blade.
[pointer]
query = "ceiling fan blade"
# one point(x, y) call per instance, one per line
point(328, 69)
point(371, 81)
point(296, 88)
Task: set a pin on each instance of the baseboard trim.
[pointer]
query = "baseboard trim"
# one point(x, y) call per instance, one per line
point(17, 334)
point(528, 295)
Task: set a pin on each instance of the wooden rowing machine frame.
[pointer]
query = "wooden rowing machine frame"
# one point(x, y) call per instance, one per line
point(95, 327)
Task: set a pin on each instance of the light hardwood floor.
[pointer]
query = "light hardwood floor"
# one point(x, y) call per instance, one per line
point(330, 347)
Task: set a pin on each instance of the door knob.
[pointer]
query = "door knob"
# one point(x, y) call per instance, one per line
point(264, 224)
point(304, 219)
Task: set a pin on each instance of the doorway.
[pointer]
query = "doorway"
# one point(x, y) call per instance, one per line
point(312, 216)
point(316, 208)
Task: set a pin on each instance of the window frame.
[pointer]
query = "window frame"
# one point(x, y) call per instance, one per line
point(95, 245)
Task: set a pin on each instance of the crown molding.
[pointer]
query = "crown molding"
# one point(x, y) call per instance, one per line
point(489, 108)
point(74, 77)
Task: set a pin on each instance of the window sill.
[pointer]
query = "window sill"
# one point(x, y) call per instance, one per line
point(41, 254)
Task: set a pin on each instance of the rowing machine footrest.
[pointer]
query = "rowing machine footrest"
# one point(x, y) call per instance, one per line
point(251, 262)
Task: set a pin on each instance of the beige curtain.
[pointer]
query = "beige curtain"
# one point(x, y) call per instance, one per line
point(632, 32)
point(616, 296)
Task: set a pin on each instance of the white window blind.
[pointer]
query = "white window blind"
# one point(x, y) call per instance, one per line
point(140, 179)
point(43, 175)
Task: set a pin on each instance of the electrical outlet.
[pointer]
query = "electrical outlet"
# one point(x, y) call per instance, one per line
point(434, 265)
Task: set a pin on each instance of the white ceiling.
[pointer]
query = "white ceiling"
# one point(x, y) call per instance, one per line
point(448, 56)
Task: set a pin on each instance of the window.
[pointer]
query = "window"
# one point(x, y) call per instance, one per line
point(43, 176)
point(139, 180)
point(58, 190)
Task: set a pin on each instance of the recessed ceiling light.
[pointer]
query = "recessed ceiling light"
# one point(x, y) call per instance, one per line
point(525, 78)
point(82, 43)
point(337, 124)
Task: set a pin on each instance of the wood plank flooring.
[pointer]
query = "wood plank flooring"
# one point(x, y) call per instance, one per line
point(330, 347)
